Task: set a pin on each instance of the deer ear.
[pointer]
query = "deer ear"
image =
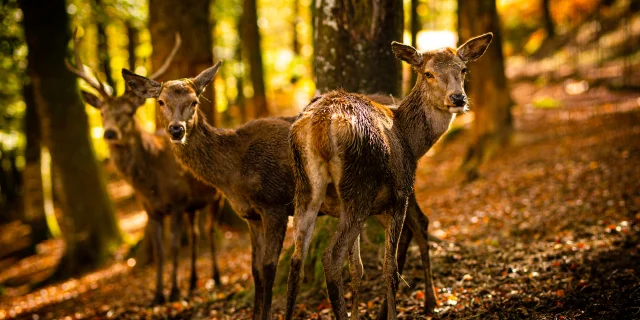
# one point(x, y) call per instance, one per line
point(475, 47)
point(407, 53)
point(141, 86)
point(91, 99)
point(205, 77)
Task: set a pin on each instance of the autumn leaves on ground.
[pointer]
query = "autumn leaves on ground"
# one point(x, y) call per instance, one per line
point(550, 230)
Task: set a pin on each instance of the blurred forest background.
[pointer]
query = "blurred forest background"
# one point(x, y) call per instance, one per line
point(559, 64)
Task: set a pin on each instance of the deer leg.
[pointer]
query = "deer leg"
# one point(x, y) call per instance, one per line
point(214, 211)
point(175, 247)
point(390, 266)
point(158, 246)
point(304, 221)
point(194, 233)
point(349, 228)
point(257, 254)
point(403, 247)
point(420, 225)
point(274, 228)
point(356, 270)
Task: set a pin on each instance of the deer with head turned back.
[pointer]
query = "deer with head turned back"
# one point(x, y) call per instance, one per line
point(161, 185)
point(251, 166)
point(367, 153)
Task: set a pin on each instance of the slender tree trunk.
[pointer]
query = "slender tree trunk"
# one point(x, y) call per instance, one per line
point(133, 36)
point(251, 44)
point(103, 42)
point(90, 228)
point(487, 86)
point(191, 19)
point(33, 196)
point(353, 46)
point(548, 19)
point(416, 25)
point(240, 98)
point(294, 27)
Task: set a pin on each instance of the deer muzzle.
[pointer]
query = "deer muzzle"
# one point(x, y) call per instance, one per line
point(176, 131)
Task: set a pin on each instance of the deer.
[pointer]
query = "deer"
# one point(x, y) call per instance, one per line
point(162, 186)
point(366, 153)
point(251, 166)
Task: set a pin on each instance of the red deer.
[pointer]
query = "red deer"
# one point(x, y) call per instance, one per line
point(161, 185)
point(250, 165)
point(348, 145)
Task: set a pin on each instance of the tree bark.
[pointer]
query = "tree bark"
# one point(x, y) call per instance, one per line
point(133, 37)
point(103, 42)
point(416, 25)
point(548, 19)
point(251, 44)
point(487, 86)
point(90, 228)
point(295, 43)
point(191, 19)
point(353, 46)
point(240, 98)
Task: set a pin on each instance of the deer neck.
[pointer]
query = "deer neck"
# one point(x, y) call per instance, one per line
point(208, 152)
point(134, 153)
point(420, 122)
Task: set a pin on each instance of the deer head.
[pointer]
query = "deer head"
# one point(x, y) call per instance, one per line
point(117, 111)
point(178, 99)
point(441, 72)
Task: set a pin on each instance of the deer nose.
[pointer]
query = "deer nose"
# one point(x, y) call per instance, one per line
point(110, 134)
point(458, 100)
point(176, 131)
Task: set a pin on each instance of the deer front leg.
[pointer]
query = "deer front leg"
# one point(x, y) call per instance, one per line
point(215, 209)
point(274, 228)
point(158, 246)
point(356, 270)
point(257, 254)
point(347, 231)
point(390, 266)
point(419, 223)
point(175, 248)
point(403, 247)
point(194, 233)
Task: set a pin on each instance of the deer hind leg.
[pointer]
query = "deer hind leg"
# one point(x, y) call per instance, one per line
point(158, 245)
point(356, 270)
point(215, 209)
point(390, 265)
point(403, 247)
point(175, 248)
point(194, 234)
point(310, 193)
point(257, 257)
point(419, 223)
point(274, 228)
point(348, 229)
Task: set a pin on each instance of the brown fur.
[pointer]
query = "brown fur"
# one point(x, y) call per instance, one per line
point(371, 161)
point(251, 165)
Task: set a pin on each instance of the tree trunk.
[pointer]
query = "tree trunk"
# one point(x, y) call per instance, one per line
point(90, 228)
point(33, 196)
point(294, 26)
point(191, 19)
point(487, 86)
point(251, 45)
point(240, 98)
point(133, 36)
point(353, 46)
point(548, 19)
point(416, 25)
point(103, 43)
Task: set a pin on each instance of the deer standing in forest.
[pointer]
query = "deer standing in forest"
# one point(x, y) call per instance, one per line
point(367, 153)
point(161, 184)
point(251, 166)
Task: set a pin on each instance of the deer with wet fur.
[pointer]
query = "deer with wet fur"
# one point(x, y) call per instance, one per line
point(161, 185)
point(367, 153)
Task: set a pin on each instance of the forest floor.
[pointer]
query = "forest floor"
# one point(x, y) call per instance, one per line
point(550, 230)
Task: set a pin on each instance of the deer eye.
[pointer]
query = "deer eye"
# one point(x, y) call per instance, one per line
point(161, 103)
point(464, 71)
point(429, 75)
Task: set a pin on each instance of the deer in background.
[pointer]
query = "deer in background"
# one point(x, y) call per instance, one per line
point(162, 186)
point(367, 153)
point(251, 166)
